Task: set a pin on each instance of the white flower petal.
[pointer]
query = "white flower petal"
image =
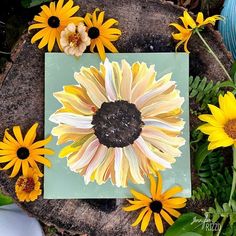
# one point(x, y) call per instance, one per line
point(149, 153)
point(93, 90)
point(118, 166)
point(133, 164)
point(71, 27)
point(85, 157)
point(163, 124)
point(161, 107)
point(140, 101)
point(95, 162)
point(126, 82)
point(78, 121)
point(166, 148)
point(109, 81)
point(154, 133)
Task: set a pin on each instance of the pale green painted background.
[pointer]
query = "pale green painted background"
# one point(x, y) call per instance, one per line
point(59, 181)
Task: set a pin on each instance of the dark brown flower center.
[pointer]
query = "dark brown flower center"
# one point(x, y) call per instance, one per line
point(156, 206)
point(53, 21)
point(23, 153)
point(29, 185)
point(230, 128)
point(117, 124)
point(93, 32)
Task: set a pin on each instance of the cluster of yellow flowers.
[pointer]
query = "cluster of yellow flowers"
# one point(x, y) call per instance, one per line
point(22, 154)
point(73, 34)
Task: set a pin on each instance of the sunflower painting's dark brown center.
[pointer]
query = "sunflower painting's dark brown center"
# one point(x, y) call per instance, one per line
point(53, 21)
point(230, 128)
point(23, 153)
point(156, 206)
point(117, 124)
point(93, 32)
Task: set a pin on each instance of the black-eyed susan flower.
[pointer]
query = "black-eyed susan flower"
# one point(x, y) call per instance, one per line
point(221, 124)
point(74, 39)
point(160, 205)
point(123, 123)
point(101, 33)
point(190, 26)
point(27, 187)
point(20, 153)
point(51, 21)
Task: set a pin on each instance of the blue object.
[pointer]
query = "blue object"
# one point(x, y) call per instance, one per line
point(227, 28)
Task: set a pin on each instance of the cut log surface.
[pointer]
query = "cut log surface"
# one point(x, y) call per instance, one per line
point(144, 25)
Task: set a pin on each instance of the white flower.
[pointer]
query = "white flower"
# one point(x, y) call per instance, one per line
point(74, 39)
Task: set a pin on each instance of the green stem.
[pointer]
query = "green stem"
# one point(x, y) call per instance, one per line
point(234, 177)
point(7, 53)
point(221, 225)
point(232, 190)
point(213, 54)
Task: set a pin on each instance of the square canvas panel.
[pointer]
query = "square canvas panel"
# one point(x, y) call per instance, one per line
point(59, 181)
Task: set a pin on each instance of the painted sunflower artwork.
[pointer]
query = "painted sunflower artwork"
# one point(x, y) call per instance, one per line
point(124, 124)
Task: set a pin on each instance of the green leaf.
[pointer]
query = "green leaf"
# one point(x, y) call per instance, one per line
point(188, 223)
point(227, 84)
point(190, 234)
point(200, 156)
point(5, 200)
point(32, 3)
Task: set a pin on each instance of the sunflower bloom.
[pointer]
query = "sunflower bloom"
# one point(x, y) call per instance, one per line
point(22, 153)
point(160, 205)
point(27, 187)
point(189, 26)
point(123, 123)
point(51, 21)
point(101, 33)
point(221, 125)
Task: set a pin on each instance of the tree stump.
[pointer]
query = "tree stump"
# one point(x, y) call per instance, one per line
point(144, 25)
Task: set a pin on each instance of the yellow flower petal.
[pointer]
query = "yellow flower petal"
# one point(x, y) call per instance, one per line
point(43, 160)
point(166, 217)
point(159, 185)
point(189, 20)
point(25, 167)
point(217, 114)
point(171, 211)
point(30, 135)
point(101, 49)
point(140, 196)
point(41, 143)
point(200, 18)
point(222, 143)
point(177, 200)
point(146, 220)
point(153, 186)
point(210, 119)
point(133, 207)
point(171, 192)
point(158, 223)
point(18, 135)
point(140, 217)
point(17, 166)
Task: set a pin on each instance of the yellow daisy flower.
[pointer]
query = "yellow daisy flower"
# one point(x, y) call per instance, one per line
point(22, 153)
point(51, 21)
point(27, 187)
point(123, 123)
point(160, 205)
point(189, 25)
point(101, 33)
point(221, 125)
